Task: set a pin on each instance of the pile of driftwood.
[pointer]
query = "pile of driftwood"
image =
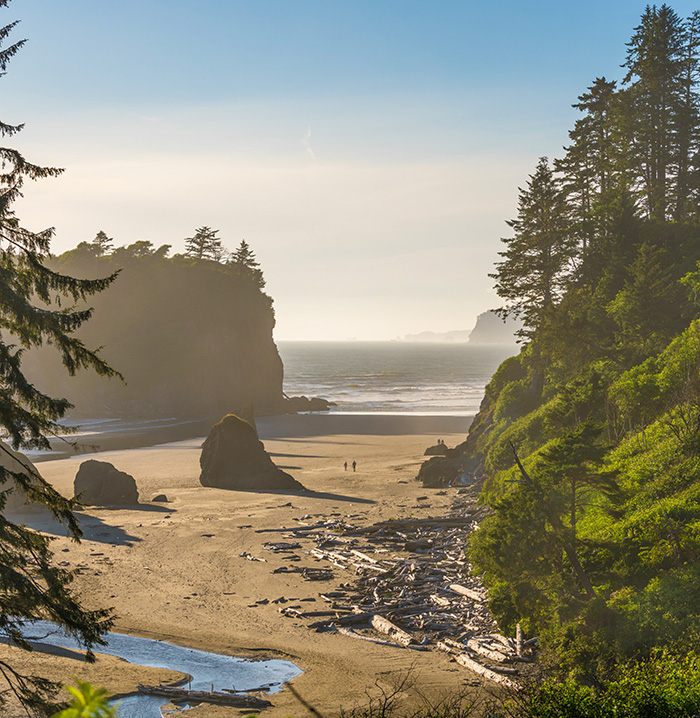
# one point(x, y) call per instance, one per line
point(410, 587)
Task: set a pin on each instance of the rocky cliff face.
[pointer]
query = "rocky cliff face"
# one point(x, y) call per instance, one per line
point(491, 329)
point(191, 338)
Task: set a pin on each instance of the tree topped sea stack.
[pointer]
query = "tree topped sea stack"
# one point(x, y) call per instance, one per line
point(234, 458)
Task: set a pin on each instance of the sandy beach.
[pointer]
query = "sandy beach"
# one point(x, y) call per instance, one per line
point(174, 570)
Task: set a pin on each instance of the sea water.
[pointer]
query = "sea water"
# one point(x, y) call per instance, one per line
point(392, 377)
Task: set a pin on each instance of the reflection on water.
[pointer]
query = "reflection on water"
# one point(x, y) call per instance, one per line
point(205, 668)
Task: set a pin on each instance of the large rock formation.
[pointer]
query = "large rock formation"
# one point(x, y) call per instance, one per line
point(491, 329)
point(234, 458)
point(191, 337)
point(101, 484)
point(18, 463)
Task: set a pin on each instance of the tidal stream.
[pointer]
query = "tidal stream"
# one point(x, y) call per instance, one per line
point(205, 668)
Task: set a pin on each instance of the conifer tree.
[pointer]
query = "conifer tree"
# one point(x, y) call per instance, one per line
point(205, 244)
point(536, 260)
point(103, 243)
point(656, 70)
point(32, 585)
point(687, 124)
point(244, 258)
point(588, 167)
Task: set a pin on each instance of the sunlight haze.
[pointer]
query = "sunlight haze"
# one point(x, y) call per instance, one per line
point(369, 152)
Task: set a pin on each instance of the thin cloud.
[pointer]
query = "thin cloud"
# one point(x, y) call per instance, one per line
point(306, 142)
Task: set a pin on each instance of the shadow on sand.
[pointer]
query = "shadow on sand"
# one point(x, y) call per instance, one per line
point(94, 528)
point(50, 650)
point(307, 494)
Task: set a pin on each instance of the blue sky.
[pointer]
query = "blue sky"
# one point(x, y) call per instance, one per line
point(368, 151)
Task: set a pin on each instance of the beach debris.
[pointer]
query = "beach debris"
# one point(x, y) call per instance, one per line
point(393, 631)
point(410, 586)
point(488, 672)
point(229, 698)
point(234, 458)
point(99, 483)
point(250, 557)
point(281, 546)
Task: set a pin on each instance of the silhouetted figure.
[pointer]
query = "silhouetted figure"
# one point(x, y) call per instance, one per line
point(354, 465)
point(345, 466)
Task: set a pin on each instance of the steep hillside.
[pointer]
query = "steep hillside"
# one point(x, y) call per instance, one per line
point(588, 441)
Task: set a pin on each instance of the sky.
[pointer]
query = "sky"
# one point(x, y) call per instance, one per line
point(369, 151)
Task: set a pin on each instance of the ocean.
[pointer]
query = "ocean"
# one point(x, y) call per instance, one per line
point(392, 377)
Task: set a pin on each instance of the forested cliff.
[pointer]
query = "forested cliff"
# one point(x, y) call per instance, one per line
point(192, 336)
point(589, 439)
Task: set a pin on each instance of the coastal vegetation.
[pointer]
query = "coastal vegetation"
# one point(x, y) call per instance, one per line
point(589, 439)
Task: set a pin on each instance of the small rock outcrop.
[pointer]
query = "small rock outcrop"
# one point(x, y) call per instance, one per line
point(437, 472)
point(296, 404)
point(234, 458)
point(160, 499)
point(437, 450)
point(101, 484)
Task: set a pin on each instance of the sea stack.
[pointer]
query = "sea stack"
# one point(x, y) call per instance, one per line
point(234, 458)
point(100, 483)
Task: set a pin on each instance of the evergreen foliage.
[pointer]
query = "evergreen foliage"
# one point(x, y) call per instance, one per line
point(589, 439)
point(103, 243)
point(205, 245)
point(244, 259)
point(32, 585)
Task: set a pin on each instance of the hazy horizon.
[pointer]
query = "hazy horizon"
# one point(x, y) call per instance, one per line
point(369, 153)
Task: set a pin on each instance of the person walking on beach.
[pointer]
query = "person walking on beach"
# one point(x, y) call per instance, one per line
point(354, 464)
point(345, 466)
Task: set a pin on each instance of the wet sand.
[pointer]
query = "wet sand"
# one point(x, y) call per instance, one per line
point(175, 571)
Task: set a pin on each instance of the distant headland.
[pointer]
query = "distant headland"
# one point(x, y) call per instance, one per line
point(488, 329)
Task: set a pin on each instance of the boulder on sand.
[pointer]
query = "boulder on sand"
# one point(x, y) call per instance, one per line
point(101, 484)
point(437, 472)
point(234, 458)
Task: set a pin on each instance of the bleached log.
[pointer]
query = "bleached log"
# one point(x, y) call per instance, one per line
point(518, 639)
point(440, 600)
point(449, 645)
point(468, 592)
point(349, 620)
point(508, 643)
point(291, 612)
point(350, 632)
point(465, 660)
point(382, 625)
point(475, 645)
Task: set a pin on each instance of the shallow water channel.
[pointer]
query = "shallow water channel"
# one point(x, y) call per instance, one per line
point(205, 668)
